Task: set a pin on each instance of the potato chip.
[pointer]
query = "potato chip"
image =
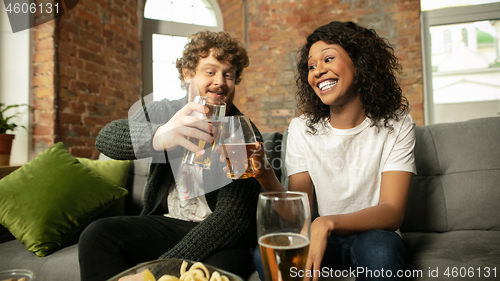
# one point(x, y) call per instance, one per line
point(148, 276)
point(168, 278)
point(197, 272)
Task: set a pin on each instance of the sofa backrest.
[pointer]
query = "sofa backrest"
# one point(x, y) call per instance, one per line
point(457, 186)
point(136, 182)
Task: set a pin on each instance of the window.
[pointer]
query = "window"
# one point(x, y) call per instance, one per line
point(166, 26)
point(461, 60)
point(15, 86)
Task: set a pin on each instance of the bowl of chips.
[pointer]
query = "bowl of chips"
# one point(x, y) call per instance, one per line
point(177, 270)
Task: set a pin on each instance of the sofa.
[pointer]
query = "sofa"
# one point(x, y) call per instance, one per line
point(452, 223)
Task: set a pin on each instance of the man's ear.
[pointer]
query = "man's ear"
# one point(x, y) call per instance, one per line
point(187, 74)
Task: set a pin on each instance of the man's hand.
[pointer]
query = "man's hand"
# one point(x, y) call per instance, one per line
point(182, 125)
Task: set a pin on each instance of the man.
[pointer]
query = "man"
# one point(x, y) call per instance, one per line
point(222, 232)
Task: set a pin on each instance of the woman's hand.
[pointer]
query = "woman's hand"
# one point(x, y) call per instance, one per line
point(182, 125)
point(259, 161)
point(317, 247)
point(136, 277)
point(261, 165)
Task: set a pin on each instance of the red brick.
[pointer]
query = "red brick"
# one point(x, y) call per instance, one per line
point(67, 48)
point(94, 47)
point(43, 130)
point(90, 56)
point(44, 117)
point(80, 130)
point(44, 44)
point(43, 104)
point(43, 68)
point(92, 121)
point(107, 33)
point(75, 85)
point(44, 56)
point(94, 87)
point(43, 80)
point(88, 16)
point(81, 152)
point(69, 118)
point(77, 107)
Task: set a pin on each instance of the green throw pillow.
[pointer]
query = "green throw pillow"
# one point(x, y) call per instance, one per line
point(114, 170)
point(48, 200)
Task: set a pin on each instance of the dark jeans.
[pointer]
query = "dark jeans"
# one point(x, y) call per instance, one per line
point(371, 255)
point(111, 245)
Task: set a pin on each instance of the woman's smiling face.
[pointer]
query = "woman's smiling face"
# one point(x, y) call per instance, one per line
point(331, 74)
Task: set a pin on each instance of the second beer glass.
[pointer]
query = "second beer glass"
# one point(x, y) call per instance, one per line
point(238, 146)
point(283, 232)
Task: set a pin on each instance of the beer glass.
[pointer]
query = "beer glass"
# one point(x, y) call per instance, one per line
point(237, 143)
point(217, 110)
point(283, 231)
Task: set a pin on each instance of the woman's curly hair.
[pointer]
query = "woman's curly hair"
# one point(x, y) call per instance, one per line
point(375, 80)
point(223, 46)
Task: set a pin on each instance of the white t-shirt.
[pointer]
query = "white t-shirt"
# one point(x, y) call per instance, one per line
point(346, 166)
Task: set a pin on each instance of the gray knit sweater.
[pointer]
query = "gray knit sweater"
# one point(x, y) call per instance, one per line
point(233, 206)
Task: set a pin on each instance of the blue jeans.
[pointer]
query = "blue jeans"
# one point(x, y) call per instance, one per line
point(370, 255)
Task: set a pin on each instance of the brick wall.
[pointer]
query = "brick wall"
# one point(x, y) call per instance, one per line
point(43, 85)
point(87, 73)
point(275, 30)
point(87, 64)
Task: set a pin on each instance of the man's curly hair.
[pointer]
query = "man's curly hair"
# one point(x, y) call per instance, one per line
point(223, 46)
point(375, 80)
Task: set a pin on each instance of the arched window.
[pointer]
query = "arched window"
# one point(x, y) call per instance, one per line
point(166, 26)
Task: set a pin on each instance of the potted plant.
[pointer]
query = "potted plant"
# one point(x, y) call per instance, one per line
point(7, 125)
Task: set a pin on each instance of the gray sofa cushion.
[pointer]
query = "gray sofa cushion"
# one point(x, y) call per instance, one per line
point(465, 250)
point(60, 265)
point(458, 168)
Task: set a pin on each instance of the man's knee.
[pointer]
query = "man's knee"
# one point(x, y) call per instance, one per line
point(96, 231)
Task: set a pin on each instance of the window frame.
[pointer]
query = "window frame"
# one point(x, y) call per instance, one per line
point(16, 70)
point(151, 26)
point(444, 16)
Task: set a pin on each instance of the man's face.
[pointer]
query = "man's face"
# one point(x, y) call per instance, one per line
point(215, 79)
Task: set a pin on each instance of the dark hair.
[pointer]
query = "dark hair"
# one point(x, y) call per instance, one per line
point(223, 46)
point(375, 80)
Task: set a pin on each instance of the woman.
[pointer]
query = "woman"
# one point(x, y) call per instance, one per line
point(353, 148)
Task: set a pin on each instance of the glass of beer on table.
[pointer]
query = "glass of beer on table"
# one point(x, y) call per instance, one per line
point(237, 141)
point(216, 112)
point(283, 232)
